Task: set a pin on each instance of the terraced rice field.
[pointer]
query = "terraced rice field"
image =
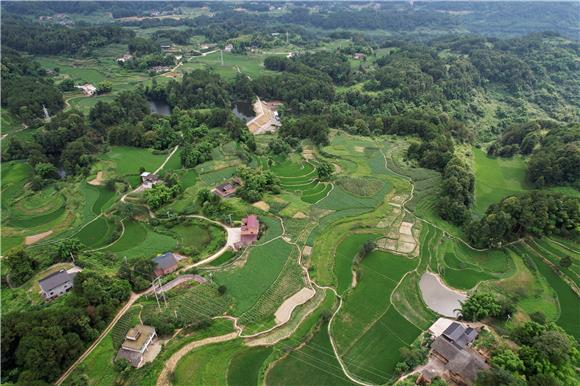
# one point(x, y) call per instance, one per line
point(301, 179)
point(463, 268)
point(567, 298)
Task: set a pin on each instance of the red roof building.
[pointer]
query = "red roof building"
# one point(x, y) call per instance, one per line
point(250, 230)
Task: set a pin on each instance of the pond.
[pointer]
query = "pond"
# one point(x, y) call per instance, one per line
point(440, 298)
point(244, 111)
point(159, 107)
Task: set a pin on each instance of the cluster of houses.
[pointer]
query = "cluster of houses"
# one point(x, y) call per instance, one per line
point(452, 356)
point(141, 344)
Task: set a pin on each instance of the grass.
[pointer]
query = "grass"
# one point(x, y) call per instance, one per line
point(127, 160)
point(224, 258)
point(496, 178)
point(199, 236)
point(249, 282)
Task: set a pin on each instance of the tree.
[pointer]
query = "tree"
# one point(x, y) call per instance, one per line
point(256, 183)
point(325, 170)
point(104, 87)
point(366, 249)
point(21, 266)
point(499, 376)
point(222, 289)
point(508, 360)
point(566, 262)
point(138, 273)
point(67, 85)
point(160, 194)
point(67, 247)
point(480, 306)
point(46, 170)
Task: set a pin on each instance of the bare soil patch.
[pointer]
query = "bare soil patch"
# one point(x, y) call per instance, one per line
point(359, 149)
point(261, 205)
point(299, 215)
point(29, 240)
point(308, 154)
point(284, 312)
point(98, 180)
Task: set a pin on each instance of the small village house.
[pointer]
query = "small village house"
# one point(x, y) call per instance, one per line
point(56, 284)
point(88, 89)
point(359, 56)
point(137, 342)
point(250, 230)
point(124, 58)
point(149, 179)
point(227, 189)
point(228, 48)
point(165, 264)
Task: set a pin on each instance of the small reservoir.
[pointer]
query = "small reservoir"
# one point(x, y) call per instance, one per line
point(244, 111)
point(440, 298)
point(160, 107)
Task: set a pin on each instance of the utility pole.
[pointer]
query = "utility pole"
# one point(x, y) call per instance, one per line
point(162, 292)
point(155, 292)
point(286, 37)
point(222, 56)
point(73, 258)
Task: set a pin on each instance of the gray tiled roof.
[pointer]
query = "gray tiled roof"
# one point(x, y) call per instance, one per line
point(467, 365)
point(445, 348)
point(54, 280)
point(166, 260)
point(459, 335)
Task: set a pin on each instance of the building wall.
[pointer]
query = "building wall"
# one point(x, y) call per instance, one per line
point(58, 291)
